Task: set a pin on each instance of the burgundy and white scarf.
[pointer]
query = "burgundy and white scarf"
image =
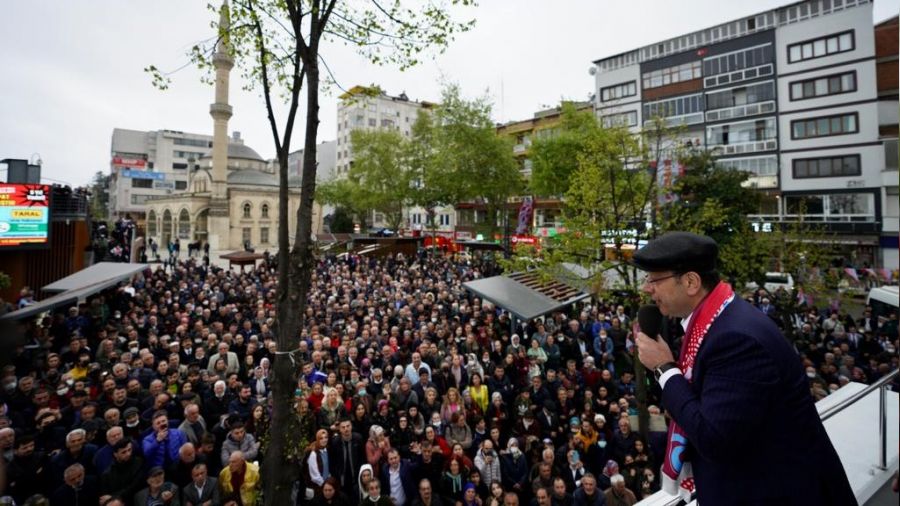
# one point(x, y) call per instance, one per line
point(677, 476)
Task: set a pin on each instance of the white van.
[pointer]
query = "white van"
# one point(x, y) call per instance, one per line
point(774, 281)
point(884, 300)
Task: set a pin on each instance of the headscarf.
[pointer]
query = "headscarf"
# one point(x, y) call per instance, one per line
point(610, 468)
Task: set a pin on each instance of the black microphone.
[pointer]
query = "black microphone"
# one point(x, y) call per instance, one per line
point(650, 320)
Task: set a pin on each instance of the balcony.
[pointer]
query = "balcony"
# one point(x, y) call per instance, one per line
point(741, 148)
point(521, 148)
point(684, 119)
point(741, 111)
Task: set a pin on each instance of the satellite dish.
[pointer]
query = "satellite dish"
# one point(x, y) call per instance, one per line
point(592, 71)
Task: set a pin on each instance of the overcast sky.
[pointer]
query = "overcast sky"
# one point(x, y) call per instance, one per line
point(73, 70)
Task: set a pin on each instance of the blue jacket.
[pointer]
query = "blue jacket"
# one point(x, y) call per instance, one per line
point(755, 437)
point(155, 451)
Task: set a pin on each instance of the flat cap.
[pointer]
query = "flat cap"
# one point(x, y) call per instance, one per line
point(679, 252)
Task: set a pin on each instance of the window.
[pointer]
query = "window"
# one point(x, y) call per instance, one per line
point(387, 123)
point(823, 86)
point(264, 235)
point(416, 218)
point(245, 235)
point(824, 46)
point(626, 119)
point(671, 75)
point(825, 126)
point(618, 91)
point(139, 199)
point(246, 210)
point(187, 154)
point(373, 122)
point(689, 108)
point(151, 224)
point(890, 154)
point(737, 133)
point(444, 220)
point(181, 185)
point(142, 183)
point(738, 60)
point(179, 166)
point(200, 143)
point(834, 166)
point(759, 166)
point(832, 206)
point(741, 95)
point(265, 212)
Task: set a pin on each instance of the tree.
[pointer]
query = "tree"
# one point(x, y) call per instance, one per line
point(554, 158)
point(461, 157)
point(380, 177)
point(100, 196)
point(341, 221)
point(277, 46)
point(714, 201)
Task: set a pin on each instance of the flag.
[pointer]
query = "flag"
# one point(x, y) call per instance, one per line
point(852, 273)
point(526, 214)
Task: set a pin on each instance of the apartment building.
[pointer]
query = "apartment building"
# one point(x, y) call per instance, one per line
point(794, 96)
point(370, 108)
point(149, 164)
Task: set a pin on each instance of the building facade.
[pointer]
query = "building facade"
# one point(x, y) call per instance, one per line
point(369, 108)
point(145, 164)
point(790, 95)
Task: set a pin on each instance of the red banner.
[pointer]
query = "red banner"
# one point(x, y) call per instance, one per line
point(128, 162)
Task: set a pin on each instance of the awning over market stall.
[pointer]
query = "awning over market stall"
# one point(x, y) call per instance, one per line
point(78, 286)
point(526, 295)
point(101, 272)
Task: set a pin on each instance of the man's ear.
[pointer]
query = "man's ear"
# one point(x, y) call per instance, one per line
point(693, 282)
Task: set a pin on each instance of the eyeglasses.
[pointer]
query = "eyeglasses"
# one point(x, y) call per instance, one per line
point(653, 282)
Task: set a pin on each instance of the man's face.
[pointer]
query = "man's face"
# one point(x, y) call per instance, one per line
point(235, 463)
point(668, 292)
point(346, 429)
point(394, 459)
point(425, 490)
point(124, 454)
point(510, 500)
point(74, 478)
point(198, 475)
point(114, 435)
point(25, 449)
point(559, 488)
point(75, 442)
point(542, 498)
point(160, 423)
point(156, 481)
point(589, 485)
point(193, 414)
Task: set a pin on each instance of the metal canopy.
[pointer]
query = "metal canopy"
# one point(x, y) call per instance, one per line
point(102, 272)
point(525, 295)
point(78, 286)
point(60, 299)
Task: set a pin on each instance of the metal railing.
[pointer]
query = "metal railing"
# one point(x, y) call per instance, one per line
point(881, 385)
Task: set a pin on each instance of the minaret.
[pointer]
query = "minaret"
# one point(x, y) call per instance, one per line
point(219, 224)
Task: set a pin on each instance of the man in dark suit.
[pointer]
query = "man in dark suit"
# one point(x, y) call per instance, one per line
point(203, 490)
point(743, 415)
point(397, 479)
point(346, 453)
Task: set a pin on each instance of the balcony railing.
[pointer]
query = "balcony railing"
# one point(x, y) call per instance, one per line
point(741, 111)
point(746, 147)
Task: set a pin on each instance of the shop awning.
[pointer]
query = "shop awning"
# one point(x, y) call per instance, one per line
point(101, 272)
point(526, 295)
point(79, 286)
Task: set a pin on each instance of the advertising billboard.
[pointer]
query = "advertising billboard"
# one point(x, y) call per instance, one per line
point(24, 215)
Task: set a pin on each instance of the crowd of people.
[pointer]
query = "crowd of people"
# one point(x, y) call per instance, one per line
point(411, 392)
